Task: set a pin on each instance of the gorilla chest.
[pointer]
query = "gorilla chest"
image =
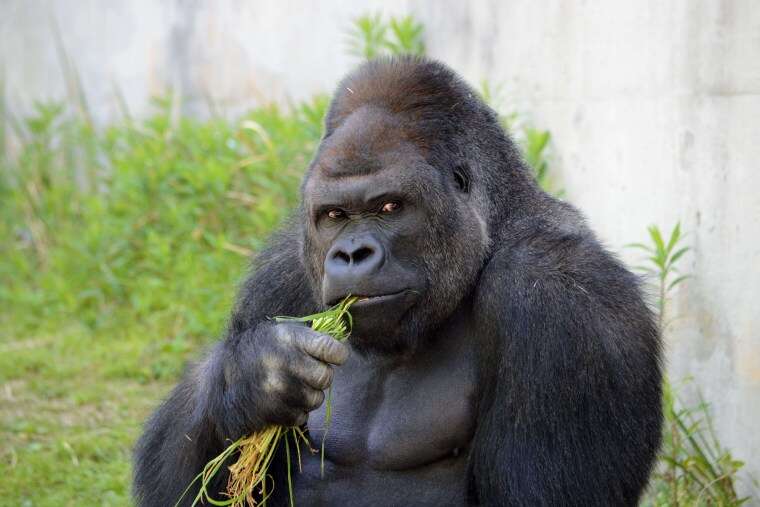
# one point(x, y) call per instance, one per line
point(400, 416)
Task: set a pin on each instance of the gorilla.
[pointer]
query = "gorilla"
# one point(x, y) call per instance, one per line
point(499, 355)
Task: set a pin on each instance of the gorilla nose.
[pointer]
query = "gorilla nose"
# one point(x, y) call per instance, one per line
point(349, 260)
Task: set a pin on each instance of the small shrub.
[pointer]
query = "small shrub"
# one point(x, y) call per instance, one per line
point(146, 222)
point(692, 468)
point(371, 36)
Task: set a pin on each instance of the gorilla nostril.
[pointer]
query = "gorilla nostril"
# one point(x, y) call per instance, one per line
point(342, 256)
point(361, 254)
point(350, 259)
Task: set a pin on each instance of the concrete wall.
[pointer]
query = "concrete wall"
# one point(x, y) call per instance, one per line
point(653, 107)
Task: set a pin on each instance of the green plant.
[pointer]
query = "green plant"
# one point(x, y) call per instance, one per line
point(120, 250)
point(661, 263)
point(121, 220)
point(407, 36)
point(371, 36)
point(533, 142)
point(534, 146)
point(693, 468)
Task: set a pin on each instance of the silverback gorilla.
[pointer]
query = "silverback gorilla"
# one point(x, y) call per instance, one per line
point(500, 356)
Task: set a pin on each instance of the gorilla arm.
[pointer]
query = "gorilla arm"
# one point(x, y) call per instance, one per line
point(571, 410)
point(193, 423)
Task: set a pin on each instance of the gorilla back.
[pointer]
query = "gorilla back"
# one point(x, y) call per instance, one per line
point(500, 356)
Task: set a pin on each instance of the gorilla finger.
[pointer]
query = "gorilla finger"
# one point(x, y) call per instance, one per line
point(302, 419)
point(298, 396)
point(313, 373)
point(323, 347)
point(287, 332)
point(289, 416)
point(313, 397)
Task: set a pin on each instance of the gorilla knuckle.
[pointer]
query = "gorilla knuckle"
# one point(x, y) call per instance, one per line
point(331, 350)
point(284, 334)
point(323, 345)
point(324, 378)
point(273, 383)
point(301, 418)
point(340, 352)
point(314, 398)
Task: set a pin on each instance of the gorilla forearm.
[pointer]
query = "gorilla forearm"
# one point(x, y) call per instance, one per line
point(221, 398)
point(179, 438)
point(576, 414)
point(277, 285)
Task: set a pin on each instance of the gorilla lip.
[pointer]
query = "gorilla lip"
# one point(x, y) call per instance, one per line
point(366, 300)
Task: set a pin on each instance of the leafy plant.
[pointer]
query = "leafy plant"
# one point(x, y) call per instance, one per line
point(693, 468)
point(407, 36)
point(661, 263)
point(533, 142)
point(121, 249)
point(371, 36)
point(100, 223)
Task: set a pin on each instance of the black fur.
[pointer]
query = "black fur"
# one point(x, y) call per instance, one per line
point(567, 410)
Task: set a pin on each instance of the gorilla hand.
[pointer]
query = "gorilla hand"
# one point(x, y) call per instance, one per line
point(275, 374)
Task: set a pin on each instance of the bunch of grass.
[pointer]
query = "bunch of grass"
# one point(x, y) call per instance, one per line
point(255, 452)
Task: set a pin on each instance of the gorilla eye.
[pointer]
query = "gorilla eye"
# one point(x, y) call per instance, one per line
point(336, 213)
point(390, 207)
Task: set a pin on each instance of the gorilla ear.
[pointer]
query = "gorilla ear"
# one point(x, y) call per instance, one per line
point(462, 178)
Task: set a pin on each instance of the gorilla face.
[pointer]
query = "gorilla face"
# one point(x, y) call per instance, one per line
point(387, 226)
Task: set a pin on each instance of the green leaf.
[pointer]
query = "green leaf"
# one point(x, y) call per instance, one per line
point(674, 237)
point(676, 282)
point(654, 233)
point(678, 255)
point(367, 37)
point(408, 36)
point(640, 246)
point(658, 261)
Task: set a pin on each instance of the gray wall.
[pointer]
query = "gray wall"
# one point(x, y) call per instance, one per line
point(653, 107)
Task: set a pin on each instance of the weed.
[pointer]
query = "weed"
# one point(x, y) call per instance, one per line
point(692, 469)
point(371, 36)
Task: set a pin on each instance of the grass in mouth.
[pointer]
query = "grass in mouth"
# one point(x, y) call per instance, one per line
point(255, 452)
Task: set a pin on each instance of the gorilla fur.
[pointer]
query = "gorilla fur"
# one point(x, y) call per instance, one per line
point(566, 407)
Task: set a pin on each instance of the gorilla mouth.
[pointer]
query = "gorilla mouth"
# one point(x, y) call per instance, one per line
point(380, 298)
point(368, 300)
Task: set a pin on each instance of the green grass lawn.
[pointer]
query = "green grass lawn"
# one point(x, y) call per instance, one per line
point(71, 407)
point(120, 252)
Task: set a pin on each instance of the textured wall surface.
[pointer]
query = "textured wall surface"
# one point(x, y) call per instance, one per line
point(653, 107)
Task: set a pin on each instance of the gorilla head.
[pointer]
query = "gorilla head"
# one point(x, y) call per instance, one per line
point(393, 210)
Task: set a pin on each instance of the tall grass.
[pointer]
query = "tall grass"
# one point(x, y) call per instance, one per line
point(372, 35)
point(120, 251)
point(693, 468)
point(145, 221)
